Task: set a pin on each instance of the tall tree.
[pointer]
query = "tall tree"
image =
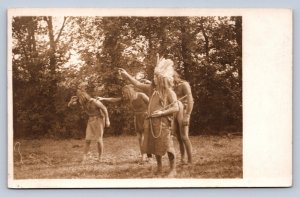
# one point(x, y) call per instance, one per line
point(51, 55)
point(35, 66)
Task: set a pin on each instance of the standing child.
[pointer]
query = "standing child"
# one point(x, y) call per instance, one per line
point(162, 106)
point(98, 119)
point(182, 118)
point(138, 102)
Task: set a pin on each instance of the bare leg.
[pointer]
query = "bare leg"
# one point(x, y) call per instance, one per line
point(172, 160)
point(100, 143)
point(86, 150)
point(149, 156)
point(140, 135)
point(187, 142)
point(140, 139)
point(177, 126)
point(159, 164)
point(100, 148)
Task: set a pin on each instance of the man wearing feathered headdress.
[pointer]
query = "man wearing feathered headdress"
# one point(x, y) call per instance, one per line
point(162, 106)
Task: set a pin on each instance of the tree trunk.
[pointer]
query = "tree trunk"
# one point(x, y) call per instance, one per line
point(162, 36)
point(30, 51)
point(52, 47)
point(151, 57)
point(206, 41)
point(53, 77)
point(184, 46)
point(238, 37)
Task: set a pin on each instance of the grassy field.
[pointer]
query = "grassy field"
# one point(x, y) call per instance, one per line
point(214, 157)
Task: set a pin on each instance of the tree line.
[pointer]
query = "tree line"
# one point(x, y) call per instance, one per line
point(51, 55)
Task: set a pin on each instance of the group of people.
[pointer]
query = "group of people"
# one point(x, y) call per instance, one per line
point(161, 109)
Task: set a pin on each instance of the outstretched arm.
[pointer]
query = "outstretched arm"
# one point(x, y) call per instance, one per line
point(104, 109)
point(112, 100)
point(144, 87)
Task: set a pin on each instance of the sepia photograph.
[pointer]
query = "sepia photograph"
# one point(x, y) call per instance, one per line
point(126, 97)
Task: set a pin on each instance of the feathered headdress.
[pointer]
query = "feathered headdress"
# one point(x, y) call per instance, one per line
point(164, 68)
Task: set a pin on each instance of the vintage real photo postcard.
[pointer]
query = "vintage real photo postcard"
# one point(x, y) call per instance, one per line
point(143, 98)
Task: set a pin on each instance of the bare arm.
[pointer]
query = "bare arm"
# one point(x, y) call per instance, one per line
point(190, 100)
point(173, 107)
point(104, 109)
point(145, 98)
point(144, 87)
point(112, 100)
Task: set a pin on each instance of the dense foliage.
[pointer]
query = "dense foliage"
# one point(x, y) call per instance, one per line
point(51, 55)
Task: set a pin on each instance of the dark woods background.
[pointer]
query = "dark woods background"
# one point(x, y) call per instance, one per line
point(51, 55)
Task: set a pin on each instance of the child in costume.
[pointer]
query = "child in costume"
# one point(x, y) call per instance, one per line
point(138, 102)
point(182, 118)
point(98, 119)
